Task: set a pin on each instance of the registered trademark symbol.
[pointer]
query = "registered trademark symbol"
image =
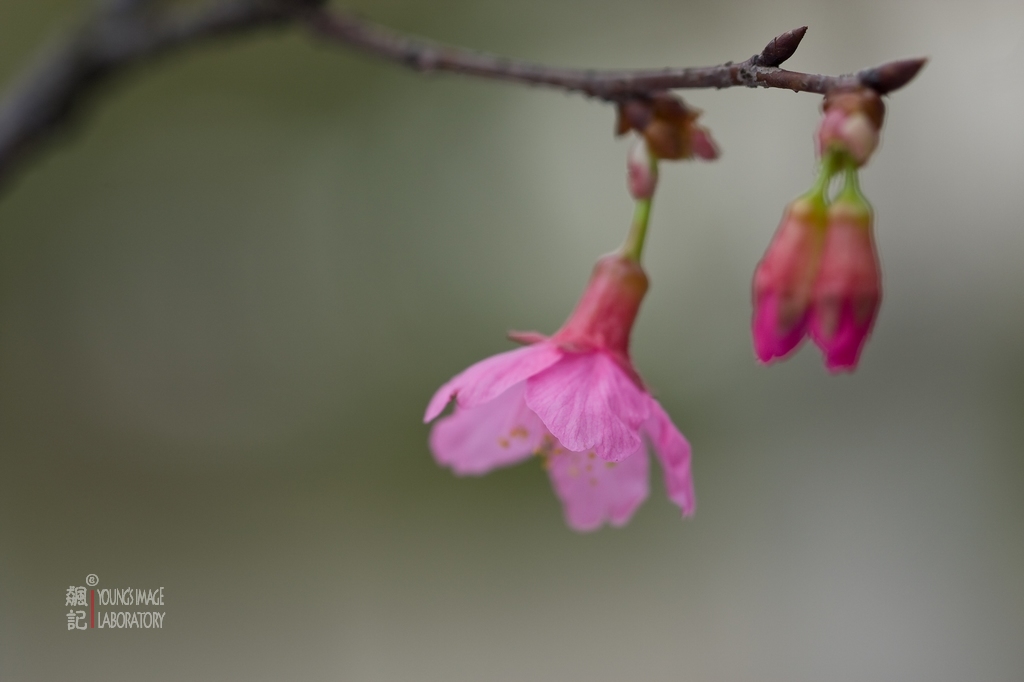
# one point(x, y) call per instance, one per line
point(91, 580)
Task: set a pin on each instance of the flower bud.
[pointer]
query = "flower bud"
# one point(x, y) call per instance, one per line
point(848, 289)
point(784, 279)
point(853, 119)
point(641, 171)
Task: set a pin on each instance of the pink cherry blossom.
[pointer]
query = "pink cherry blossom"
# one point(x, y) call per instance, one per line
point(575, 400)
point(848, 289)
point(784, 279)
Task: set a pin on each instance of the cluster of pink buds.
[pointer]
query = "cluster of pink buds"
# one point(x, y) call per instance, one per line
point(820, 275)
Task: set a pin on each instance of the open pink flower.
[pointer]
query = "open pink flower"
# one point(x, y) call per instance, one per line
point(575, 400)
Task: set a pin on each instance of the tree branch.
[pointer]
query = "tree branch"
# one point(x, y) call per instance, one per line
point(761, 70)
point(52, 91)
point(125, 33)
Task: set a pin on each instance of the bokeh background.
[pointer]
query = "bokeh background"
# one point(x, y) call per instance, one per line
point(226, 298)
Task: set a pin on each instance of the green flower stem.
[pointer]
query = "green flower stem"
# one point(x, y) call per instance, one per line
point(634, 245)
point(831, 163)
point(851, 193)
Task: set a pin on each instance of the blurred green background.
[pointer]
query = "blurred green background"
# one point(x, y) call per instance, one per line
point(226, 298)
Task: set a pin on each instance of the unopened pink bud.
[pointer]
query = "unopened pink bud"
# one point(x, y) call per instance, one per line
point(784, 280)
point(851, 133)
point(853, 119)
point(848, 289)
point(641, 171)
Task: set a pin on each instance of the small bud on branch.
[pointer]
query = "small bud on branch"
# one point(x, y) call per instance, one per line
point(892, 76)
point(780, 48)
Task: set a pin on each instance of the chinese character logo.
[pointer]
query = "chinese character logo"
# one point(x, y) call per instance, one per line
point(76, 620)
point(76, 597)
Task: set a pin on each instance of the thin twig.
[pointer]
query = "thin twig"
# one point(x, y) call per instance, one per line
point(761, 70)
point(124, 33)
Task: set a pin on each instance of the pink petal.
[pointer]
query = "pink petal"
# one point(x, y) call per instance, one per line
point(474, 440)
point(594, 491)
point(490, 378)
point(589, 403)
point(703, 145)
point(848, 332)
point(673, 451)
point(771, 338)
